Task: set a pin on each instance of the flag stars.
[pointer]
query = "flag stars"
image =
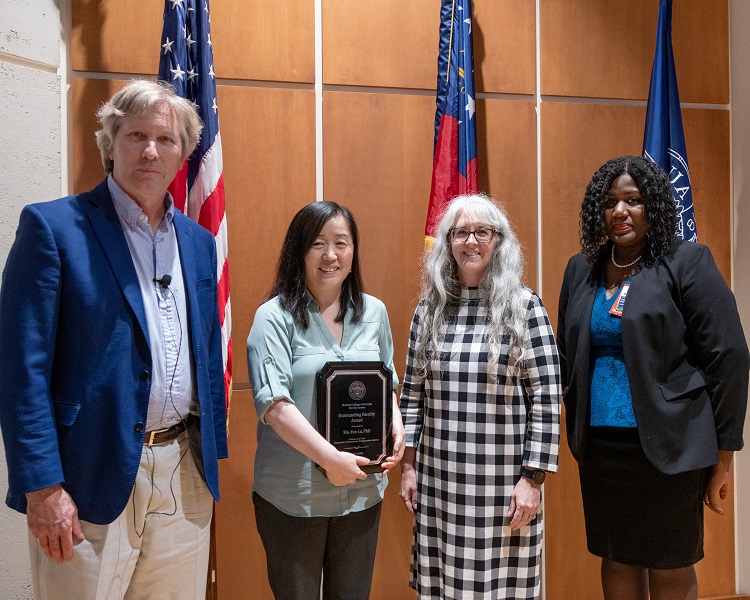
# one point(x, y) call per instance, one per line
point(470, 106)
point(167, 46)
point(209, 42)
point(215, 106)
point(190, 41)
point(211, 71)
point(468, 22)
point(177, 73)
point(176, 3)
point(192, 74)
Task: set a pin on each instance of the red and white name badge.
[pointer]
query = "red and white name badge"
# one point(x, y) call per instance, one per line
point(619, 302)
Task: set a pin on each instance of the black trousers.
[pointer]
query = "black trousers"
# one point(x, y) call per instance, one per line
point(299, 550)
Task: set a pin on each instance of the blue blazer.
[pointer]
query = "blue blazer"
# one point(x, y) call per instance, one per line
point(74, 354)
point(685, 353)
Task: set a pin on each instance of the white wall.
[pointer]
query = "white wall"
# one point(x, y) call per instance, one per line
point(739, 22)
point(31, 170)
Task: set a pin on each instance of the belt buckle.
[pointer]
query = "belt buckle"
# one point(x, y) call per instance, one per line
point(153, 434)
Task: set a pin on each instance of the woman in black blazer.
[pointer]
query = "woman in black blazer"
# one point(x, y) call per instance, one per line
point(655, 375)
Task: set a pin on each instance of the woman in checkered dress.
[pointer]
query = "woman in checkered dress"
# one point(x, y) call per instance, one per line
point(481, 407)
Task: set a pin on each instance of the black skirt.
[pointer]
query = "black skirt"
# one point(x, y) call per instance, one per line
point(636, 515)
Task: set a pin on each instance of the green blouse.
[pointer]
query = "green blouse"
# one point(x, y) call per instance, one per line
point(283, 361)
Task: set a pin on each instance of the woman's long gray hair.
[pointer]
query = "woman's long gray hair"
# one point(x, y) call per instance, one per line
point(501, 285)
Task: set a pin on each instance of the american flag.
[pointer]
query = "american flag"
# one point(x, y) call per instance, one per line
point(187, 62)
point(454, 166)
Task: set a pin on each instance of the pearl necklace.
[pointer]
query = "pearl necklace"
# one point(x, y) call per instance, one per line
point(619, 266)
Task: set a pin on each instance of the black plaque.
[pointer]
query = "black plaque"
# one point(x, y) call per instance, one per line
point(355, 406)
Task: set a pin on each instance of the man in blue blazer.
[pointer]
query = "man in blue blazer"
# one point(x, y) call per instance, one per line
point(112, 399)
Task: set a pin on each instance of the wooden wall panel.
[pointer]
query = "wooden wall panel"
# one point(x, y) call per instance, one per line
point(359, 49)
point(504, 46)
point(271, 41)
point(605, 49)
point(576, 140)
point(268, 138)
point(103, 32)
point(87, 96)
point(395, 44)
point(274, 43)
point(506, 146)
point(378, 161)
point(240, 558)
point(707, 139)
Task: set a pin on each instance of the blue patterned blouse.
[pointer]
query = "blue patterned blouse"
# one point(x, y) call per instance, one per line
point(611, 403)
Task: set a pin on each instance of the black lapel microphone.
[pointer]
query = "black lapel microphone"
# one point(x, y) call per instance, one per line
point(164, 281)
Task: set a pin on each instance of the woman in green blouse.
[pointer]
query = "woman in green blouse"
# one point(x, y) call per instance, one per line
point(310, 525)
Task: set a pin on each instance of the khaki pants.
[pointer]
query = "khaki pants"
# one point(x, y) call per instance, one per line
point(157, 548)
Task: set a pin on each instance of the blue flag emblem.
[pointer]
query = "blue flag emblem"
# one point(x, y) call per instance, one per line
point(664, 139)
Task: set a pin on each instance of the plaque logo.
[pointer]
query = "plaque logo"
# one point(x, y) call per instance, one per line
point(357, 390)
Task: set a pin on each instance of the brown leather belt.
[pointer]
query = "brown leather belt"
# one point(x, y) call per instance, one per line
point(162, 436)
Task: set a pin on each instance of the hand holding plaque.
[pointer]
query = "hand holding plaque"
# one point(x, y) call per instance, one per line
point(354, 401)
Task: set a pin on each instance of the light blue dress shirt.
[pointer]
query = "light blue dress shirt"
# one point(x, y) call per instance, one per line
point(155, 255)
point(283, 361)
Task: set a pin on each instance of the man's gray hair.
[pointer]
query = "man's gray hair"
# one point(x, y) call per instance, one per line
point(137, 99)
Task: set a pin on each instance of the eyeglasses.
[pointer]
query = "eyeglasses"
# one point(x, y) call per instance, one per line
point(483, 235)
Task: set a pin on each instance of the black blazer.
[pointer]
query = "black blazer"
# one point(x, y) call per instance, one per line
point(685, 353)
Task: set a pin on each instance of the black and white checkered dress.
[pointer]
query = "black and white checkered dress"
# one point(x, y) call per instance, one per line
point(473, 433)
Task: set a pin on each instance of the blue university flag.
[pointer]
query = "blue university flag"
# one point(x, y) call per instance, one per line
point(454, 167)
point(664, 140)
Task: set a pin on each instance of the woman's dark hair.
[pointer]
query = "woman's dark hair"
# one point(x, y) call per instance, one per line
point(290, 274)
point(661, 217)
